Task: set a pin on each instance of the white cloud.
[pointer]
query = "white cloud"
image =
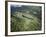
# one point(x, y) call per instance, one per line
point(17, 5)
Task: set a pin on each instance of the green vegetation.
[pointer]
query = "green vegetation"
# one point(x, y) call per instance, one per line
point(28, 19)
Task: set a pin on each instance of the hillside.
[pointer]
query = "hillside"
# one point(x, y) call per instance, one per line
point(25, 18)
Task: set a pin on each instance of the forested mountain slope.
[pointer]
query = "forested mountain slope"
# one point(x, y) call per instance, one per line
point(25, 18)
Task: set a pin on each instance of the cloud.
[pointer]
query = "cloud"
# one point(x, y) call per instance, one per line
point(17, 5)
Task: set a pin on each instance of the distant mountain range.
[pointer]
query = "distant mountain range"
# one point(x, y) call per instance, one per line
point(26, 8)
point(13, 9)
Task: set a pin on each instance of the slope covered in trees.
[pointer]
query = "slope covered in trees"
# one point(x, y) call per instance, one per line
point(26, 18)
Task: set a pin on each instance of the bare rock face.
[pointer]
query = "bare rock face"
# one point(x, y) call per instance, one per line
point(24, 22)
